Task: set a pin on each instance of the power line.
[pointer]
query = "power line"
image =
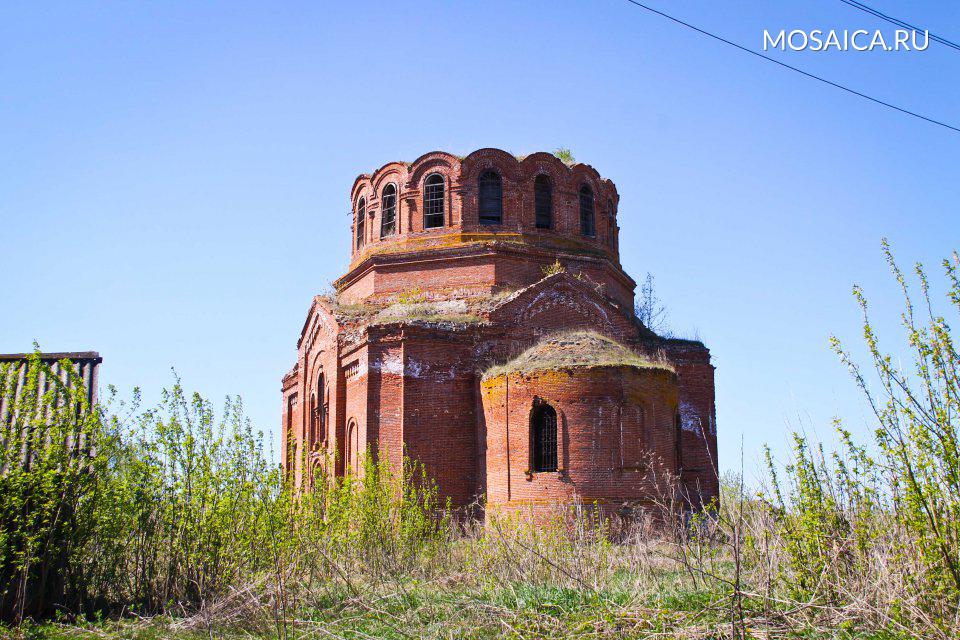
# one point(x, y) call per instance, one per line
point(792, 68)
point(899, 23)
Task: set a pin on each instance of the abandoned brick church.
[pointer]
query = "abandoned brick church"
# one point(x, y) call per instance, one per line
point(486, 328)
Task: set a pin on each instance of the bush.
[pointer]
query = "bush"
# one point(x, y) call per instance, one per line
point(171, 508)
point(882, 532)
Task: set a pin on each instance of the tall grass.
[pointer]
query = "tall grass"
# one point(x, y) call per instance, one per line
point(170, 508)
point(175, 520)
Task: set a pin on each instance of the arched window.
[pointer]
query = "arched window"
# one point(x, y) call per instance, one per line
point(543, 201)
point(314, 430)
point(353, 447)
point(325, 411)
point(433, 201)
point(361, 220)
point(321, 410)
point(587, 224)
point(543, 436)
point(611, 225)
point(290, 442)
point(491, 198)
point(388, 209)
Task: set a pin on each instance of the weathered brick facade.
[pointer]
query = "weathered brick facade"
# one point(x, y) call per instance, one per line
point(474, 297)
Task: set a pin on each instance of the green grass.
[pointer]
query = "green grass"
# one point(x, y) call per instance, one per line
point(516, 610)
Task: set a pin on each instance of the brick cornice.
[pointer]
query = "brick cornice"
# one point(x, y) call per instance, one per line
point(491, 247)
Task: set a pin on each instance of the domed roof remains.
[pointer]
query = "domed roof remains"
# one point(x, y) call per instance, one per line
point(575, 349)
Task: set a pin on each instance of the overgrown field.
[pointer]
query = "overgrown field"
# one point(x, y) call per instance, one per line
point(116, 521)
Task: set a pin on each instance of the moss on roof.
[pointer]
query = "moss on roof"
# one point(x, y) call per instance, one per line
point(439, 312)
point(411, 309)
point(575, 349)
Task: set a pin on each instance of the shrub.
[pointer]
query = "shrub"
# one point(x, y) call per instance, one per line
point(171, 508)
point(883, 531)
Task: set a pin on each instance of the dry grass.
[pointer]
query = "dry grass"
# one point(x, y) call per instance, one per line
point(575, 349)
point(517, 579)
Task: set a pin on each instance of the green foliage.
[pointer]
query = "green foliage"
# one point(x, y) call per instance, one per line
point(552, 269)
point(53, 459)
point(411, 296)
point(170, 508)
point(837, 514)
point(565, 156)
point(177, 511)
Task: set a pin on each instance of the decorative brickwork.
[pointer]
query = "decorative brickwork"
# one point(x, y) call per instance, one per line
point(452, 333)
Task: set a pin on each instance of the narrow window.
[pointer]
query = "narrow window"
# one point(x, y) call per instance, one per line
point(388, 207)
point(433, 202)
point(611, 225)
point(361, 219)
point(321, 412)
point(291, 402)
point(353, 447)
point(491, 198)
point(587, 226)
point(325, 415)
point(543, 427)
point(290, 442)
point(543, 201)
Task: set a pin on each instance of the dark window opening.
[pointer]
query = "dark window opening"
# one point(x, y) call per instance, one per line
point(321, 410)
point(313, 419)
point(291, 403)
point(388, 207)
point(491, 198)
point(433, 202)
point(543, 202)
point(543, 427)
point(289, 439)
point(611, 225)
point(361, 220)
point(587, 224)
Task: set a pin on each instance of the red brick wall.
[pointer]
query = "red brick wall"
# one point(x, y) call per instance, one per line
point(386, 398)
point(462, 228)
point(698, 451)
point(461, 183)
point(440, 421)
point(416, 389)
point(595, 416)
point(475, 269)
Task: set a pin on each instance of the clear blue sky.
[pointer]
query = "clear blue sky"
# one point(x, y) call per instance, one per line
point(174, 176)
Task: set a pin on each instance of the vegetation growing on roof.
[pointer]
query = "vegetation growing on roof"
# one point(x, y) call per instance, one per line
point(565, 156)
point(575, 349)
point(552, 269)
point(444, 311)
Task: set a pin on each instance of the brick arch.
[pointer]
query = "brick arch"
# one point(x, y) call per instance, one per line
point(585, 175)
point(362, 191)
point(545, 163)
point(542, 163)
point(395, 173)
point(636, 423)
point(563, 432)
point(581, 173)
point(440, 162)
point(489, 158)
point(508, 168)
point(363, 180)
point(351, 454)
point(610, 191)
point(390, 172)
